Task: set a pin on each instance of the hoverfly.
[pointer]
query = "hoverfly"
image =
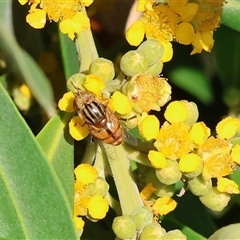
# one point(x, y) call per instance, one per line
point(102, 123)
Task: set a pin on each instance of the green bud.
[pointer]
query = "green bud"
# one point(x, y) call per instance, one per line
point(100, 186)
point(215, 200)
point(170, 174)
point(152, 231)
point(152, 50)
point(161, 189)
point(156, 68)
point(76, 81)
point(102, 68)
point(124, 227)
point(199, 186)
point(133, 62)
point(175, 234)
point(142, 216)
point(195, 173)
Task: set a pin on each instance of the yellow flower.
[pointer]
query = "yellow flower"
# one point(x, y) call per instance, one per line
point(147, 191)
point(24, 89)
point(236, 153)
point(228, 127)
point(94, 84)
point(189, 162)
point(199, 133)
point(157, 159)
point(66, 102)
point(176, 111)
point(135, 34)
point(148, 126)
point(85, 173)
point(98, 207)
point(174, 140)
point(164, 205)
point(120, 103)
point(79, 223)
point(227, 185)
point(68, 13)
point(77, 129)
point(81, 199)
point(148, 92)
point(75, 24)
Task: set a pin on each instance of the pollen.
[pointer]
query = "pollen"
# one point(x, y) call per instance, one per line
point(149, 92)
point(174, 140)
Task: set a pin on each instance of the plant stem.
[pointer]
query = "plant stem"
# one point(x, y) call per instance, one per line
point(126, 187)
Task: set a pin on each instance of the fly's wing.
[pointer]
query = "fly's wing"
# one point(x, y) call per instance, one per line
point(128, 137)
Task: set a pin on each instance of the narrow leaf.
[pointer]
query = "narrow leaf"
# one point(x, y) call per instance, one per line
point(20, 62)
point(230, 16)
point(58, 147)
point(32, 202)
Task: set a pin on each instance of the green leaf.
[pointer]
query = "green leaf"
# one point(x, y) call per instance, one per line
point(230, 16)
point(69, 55)
point(229, 232)
point(21, 63)
point(194, 81)
point(57, 144)
point(6, 14)
point(227, 54)
point(33, 204)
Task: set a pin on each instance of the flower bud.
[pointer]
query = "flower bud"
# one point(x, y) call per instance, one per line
point(215, 200)
point(102, 68)
point(170, 174)
point(152, 231)
point(199, 186)
point(100, 186)
point(156, 68)
point(142, 216)
point(124, 227)
point(152, 50)
point(174, 234)
point(133, 62)
point(76, 81)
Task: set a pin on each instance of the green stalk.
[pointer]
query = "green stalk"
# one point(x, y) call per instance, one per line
point(86, 48)
point(126, 187)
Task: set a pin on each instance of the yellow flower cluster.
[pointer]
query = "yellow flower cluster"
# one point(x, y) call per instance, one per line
point(87, 200)
point(68, 13)
point(186, 149)
point(184, 21)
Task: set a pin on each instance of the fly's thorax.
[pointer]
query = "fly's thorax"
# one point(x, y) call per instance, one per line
point(93, 113)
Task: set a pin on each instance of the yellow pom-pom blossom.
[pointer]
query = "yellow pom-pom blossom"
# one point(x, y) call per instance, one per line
point(98, 207)
point(218, 162)
point(94, 84)
point(147, 191)
point(189, 162)
point(148, 126)
point(228, 127)
point(120, 103)
point(148, 92)
point(236, 153)
point(85, 173)
point(66, 102)
point(164, 205)
point(227, 185)
point(157, 159)
point(174, 140)
point(187, 22)
point(68, 13)
point(77, 129)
